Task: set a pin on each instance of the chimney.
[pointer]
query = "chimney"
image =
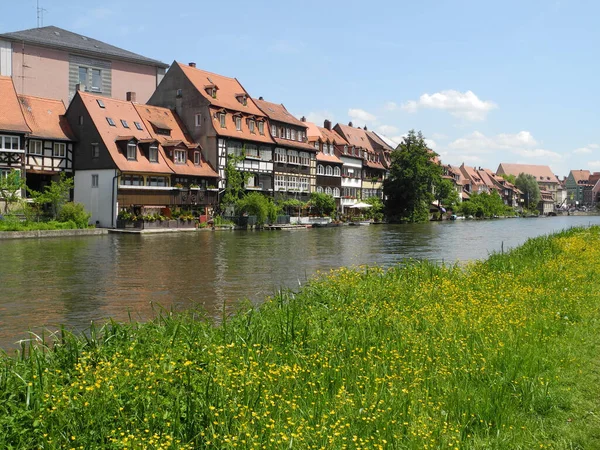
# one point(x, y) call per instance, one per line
point(350, 124)
point(131, 97)
point(303, 119)
point(192, 64)
point(260, 98)
point(327, 124)
point(77, 87)
point(365, 128)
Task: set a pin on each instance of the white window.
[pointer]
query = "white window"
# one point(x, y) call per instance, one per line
point(94, 181)
point(304, 184)
point(251, 125)
point(345, 149)
point(304, 158)
point(301, 136)
point(153, 153)
point(222, 120)
point(336, 192)
point(35, 148)
point(293, 157)
point(95, 150)
point(293, 135)
point(331, 149)
point(274, 130)
point(9, 142)
point(252, 151)
point(180, 157)
point(131, 151)
point(329, 171)
point(280, 183)
point(336, 172)
point(132, 180)
point(238, 123)
point(280, 155)
point(288, 133)
point(320, 170)
point(83, 78)
point(197, 158)
point(60, 150)
point(328, 191)
point(261, 127)
point(266, 154)
point(198, 120)
point(96, 80)
point(319, 189)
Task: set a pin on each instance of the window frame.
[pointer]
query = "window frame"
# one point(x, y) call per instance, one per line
point(320, 169)
point(337, 172)
point(153, 150)
point(329, 171)
point(179, 156)
point(238, 123)
point(131, 151)
point(252, 126)
point(95, 150)
point(62, 149)
point(138, 126)
point(124, 123)
point(261, 128)
point(222, 120)
point(280, 155)
point(99, 87)
point(197, 158)
point(95, 180)
point(41, 147)
point(198, 120)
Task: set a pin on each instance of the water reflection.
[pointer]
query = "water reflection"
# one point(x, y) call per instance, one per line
point(48, 282)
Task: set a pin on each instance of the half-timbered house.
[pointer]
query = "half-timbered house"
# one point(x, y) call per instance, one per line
point(329, 165)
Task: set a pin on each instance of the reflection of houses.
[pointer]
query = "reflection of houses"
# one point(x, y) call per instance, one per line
point(543, 175)
point(222, 117)
point(329, 166)
point(121, 162)
point(294, 163)
point(576, 183)
point(51, 62)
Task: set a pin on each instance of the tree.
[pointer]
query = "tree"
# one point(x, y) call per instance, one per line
point(527, 184)
point(446, 194)
point(235, 179)
point(11, 184)
point(376, 210)
point(484, 205)
point(413, 175)
point(323, 204)
point(55, 194)
point(256, 204)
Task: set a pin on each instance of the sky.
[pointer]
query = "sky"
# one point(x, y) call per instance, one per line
point(485, 81)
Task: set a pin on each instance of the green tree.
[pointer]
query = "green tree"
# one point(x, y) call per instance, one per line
point(11, 184)
point(484, 205)
point(323, 204)
point(509, 178)
point(235, 179)
point(446, 194)
point(527, 184)
point(256, 204)
point(56, 194)
point(376, 210)
point(413, 175)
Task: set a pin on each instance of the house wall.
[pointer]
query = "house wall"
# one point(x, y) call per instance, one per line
point(98, 201)
point(46, 161)
point(40, 71)
point(138, 78)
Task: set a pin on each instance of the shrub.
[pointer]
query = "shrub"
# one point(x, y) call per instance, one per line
point(76, 213)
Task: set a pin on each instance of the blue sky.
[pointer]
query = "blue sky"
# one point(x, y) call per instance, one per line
point(486, 82)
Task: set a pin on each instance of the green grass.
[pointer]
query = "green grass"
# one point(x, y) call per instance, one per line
point(500, 355)
point(10, 224)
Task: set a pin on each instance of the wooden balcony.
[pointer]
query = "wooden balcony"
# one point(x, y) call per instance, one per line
point(146, 196)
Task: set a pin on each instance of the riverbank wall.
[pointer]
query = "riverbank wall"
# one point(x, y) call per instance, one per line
point(501, 354)
point(52, 233)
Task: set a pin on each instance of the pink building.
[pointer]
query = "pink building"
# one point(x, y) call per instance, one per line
point(51, 62)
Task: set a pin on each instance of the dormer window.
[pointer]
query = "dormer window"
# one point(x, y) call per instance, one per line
point(242, 98)
point(345, 149)
point(317, 145)
point(274, 130)
point(163, 132)
point(251, 125)
point(238, 123)
point(261, 127)
point(211, 90)
point(131, 151)
point(293, 135)
point(222, 119)
point(197, 158)
point(153, 154)
point(179, 157)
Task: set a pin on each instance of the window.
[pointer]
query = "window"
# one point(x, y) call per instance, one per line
point(293, 157)
point(110, 122)
point(251, 126)
point(80, 120)
point(266, 154)
point(261, 127)
point(280, 183)
point(301, 136)
point(222, 119)
point(328, 191)
point(280, 155)
point(9, 142)
point(293, 184)
point(287, 133)
point(94, 181)
point(95, 151)
point(96, 80)
point(251, 151)
point(158, 181)
point(238, 123)
point(282, 132)
point(213, 92)
point(138, 125)
point(345, 149)
point(304, 158)
point(293, 135)
point(83, 78)
point(60, 150)
point(198, 120)
point(197, 158)
point(180, 157)
point(319, 189)
point(35, 148)
point(329, 171)
point(100, 103)
point(153, 153)
point(131, 151)
point(132, 180)
point(304, 184)
point(124, 123)
point(320, 170)
point(274, 130)
point(336, 192)
point(331, 149)
point(317, 145)
point(336, 172)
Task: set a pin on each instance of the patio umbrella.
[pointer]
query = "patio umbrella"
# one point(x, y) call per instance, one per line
point(360, 205)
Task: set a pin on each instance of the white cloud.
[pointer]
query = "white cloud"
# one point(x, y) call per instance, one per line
point(387, 129)
point(431, 144)
point(390, 106)
point(318, 117)
point(594, 164)
point(361, 114)
point(587, 149)
point(398, 139)
point(464, 105)
point(539, 153)
point(439, 136)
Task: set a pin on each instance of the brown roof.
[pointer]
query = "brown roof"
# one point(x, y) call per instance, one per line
point(328, 158)
point(46, 118)
point(119, 110)
point(541, 173)
point(312, 132)
point(580, 176)
point(332, 136)
point(471, 174)
point(356, 137)
point(375, 137)
point(278, 112)
point(231, 131)
point(11, 116)
point(296, 144)
point(227, 90)
point(178, 138)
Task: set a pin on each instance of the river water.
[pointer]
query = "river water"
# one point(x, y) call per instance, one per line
point(73, 281)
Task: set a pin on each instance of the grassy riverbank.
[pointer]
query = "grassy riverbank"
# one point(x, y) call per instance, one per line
point(502, 354)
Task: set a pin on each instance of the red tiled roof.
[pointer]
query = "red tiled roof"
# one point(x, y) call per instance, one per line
point(328, 158)
point(244, 133)
point(296, 144)
point(541, 173)
point(378, 140)
point(178, 138)
point(11, 116)
point(332, 136)
point(580, 175)
point(356, 137)
point(46, 118)
point(119, 110)
point(278, 112)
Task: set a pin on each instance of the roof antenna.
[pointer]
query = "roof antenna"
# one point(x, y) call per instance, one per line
point(40, 14)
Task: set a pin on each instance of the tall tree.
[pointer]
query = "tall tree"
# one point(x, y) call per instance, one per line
point(323, 204)
point(56, 194)
point(530, 188)
point(413, 176)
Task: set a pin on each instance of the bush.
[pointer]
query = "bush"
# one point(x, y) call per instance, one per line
point(76, 213)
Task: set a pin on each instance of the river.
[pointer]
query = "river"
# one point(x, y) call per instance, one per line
point(73, 281)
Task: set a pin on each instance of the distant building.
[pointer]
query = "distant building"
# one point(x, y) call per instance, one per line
point(51, 62)
point(576, 183)
point(329, 166)
point(543, 175)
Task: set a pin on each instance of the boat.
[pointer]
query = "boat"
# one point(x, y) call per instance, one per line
point(361, 222)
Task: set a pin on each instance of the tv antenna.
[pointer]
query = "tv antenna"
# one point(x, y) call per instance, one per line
point(40, 14)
